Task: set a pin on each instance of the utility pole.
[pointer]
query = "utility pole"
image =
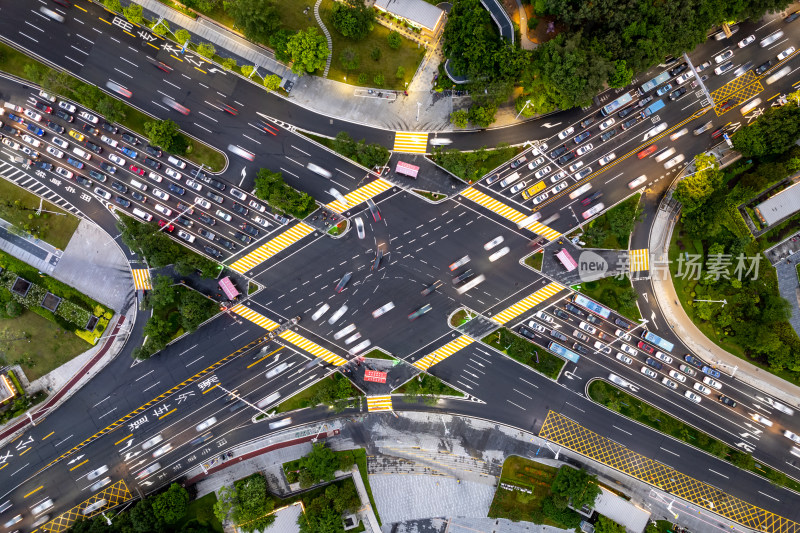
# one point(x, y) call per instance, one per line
point(523, 109)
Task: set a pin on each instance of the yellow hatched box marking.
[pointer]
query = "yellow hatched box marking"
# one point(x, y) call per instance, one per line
point(113, 494)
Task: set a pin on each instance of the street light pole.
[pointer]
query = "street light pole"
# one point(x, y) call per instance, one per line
point(523, 109)
point(419, 104)
point(232, 393)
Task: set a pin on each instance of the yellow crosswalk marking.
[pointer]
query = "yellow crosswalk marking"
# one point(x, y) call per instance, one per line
point(254, 317)
point(411, 142)
point(272, 247)
point(113, 495)
point(639, 260)
point(509, 212)
point(444, 352)
point(312, 348)
point(379, 403)
point(141, 279)
point(528, 302)
point(370, 190)
point(569, 434)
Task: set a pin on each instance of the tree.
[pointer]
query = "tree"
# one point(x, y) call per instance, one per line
point(375, 53)
point(278, 41)
point(378, 80)
point(694, 190)
point(162, 28)
point(394, 40)
point(143, 518)
point(162, 133)
point(14, 309)
point(163, 294)
point(482, 116)
point(113, 5)
point(182, 36)
point(575, 487)
point(133, 13)
point(266, 181)
point(622, 75)
point(272, 82)
point(319, 465)
point(194, 309)
point(170, 506)
point(606, 525)
point(401, 72)
point(206, 50)
point(252, 509)
point(247, 70)
point(257, 19)
point(460, 118)
point(111, 108)
point(353, 19)
point(228, 63)
point(349, 57)
point(308, 50)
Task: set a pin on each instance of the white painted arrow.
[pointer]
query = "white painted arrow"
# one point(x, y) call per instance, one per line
point(735, 126)
point(746, 447)
point(548, 125)
point(76, 459)
point(645, 297)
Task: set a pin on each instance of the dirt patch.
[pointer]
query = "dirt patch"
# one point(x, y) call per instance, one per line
point(539, 34)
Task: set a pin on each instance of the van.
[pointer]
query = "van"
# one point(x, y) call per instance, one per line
point(272, 398)
point(12, 107)
point(166, 211)
point(144, 215)
point(139, 185)
point(508, 180)
point(155, 177)
point(280, 423)
point(83, 154)
point(319, 312)
point(177, 162)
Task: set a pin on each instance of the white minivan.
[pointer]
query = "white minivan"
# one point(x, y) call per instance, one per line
point(144, 215)
point(508, 180)
point(177, 162)
point(83, 154)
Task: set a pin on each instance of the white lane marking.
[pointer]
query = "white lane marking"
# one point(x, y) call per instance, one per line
point(622, 430)
point(255, 141)
point(717, 473)
point(669, 451)
point(145, 375)
point(209, 118)
point(199, 126)
point(170, 83)
point(129, 62)
point(123, 73)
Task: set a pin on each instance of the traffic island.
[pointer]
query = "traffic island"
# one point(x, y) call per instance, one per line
point(525, 352)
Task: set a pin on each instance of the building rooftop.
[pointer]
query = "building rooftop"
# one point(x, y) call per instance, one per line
point(621, 511)
point(417, 11)
point(783, 204)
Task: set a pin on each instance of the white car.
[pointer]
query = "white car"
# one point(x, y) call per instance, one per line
point(692, 396)
point(624, 358)
point(541, 198)
point(336, 315)
point(683, 78)
point(147, 471)
point(541, 315)
point(555, 178)
point(158, 193)
point(769, 39)
point(677, 375)
point(664, 155)
point(281, 367)
point(206, 424)
point(223, 215)
point(517, 187)
point(319, 312)
point(678, 134)
point(607, 159)
point(88, 117)
point(638, 181)
point(566, 133)
point(109, 141)
point(786, 53)
point(699, 387)
point(94, 474)
point(359, 227)
point(385, 308)
point(116, 159)
point(33, 115)
point(166, 211)
point(586, 148)
point(669, 383)
point(535, 163)
point(701, 68)
point(649, 373)
point(188, 237)
point(587, 328)
point(42, 507)
point(630, 350)
point(236, 193)
point(601, 347)
point(100, 484)
point(674, 161)
point(747, 40)
point(494, 242)
point(263, 222)
point(161, 451)
point(61, 171)
point(793, 436)
point(192, 184)
point(575, 166)
point(102, 193)
point(624, 335)
point(722, 69)
point(536, 326)
point(763, 420)
point(779, 406)
point(146, 445)
point(607, 123)
point(543, 172)
point(30, 152)
point(664, 357)
point(257, 206)
point(560, 187)
point(724, 56)
point(30, 140)
point(499, 253)
point(66, 106)
point(172, 173)
point(613, 378)
point(202, 202)
point(61, 143)
point(711, 382)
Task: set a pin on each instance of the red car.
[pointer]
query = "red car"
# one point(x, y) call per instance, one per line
point(229, 109)
point(646, 347)
point(647, 151)
point(718, 132)
point(137, 170)
point(162, 223)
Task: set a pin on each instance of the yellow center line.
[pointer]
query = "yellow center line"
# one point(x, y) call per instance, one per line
point(104, 20)
point(34, 491)
point(254, 364)
point(79, 464)
point(154, 46)
point(129, 33)
point(176, 57)
point(2, 467)
point(123, 439)
point(45, 437)
point(212, 388)
point(82, 9)
point(17, 438)
point(26, 451)
point(167, 413)
point(201, 70)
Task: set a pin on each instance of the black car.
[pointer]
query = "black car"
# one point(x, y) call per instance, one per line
point(119, 187)
point(213, 252)
point(83, 181)
point(343, 282)
point(628, 123)
point(54, 127)
point(139, 197)
point(587, 122)
point(215, 183)
point(93, 147)
point(63, 115)
point(152, 163)
point(88, 128)
point(727, 401)
point(594, 320)
point(560, 314)
point(762, 68)
point(214, 196)
point(205, 219)
point(578, 347)
point(183, 208)
point(569, 156)
point(677, 93)
point(226, 243)
point(43, 107)
point(242, 210)
point(627, 111)
point(183, 221)
point(591, 198)
point(153, 150)
point(195, 173)
point(239, 236)
point(677, 70)
point(655, 364)
point(176, 189)
point(8, 130)
point(99, 176)
point(574, 310)
point(464, 276)
point(582, 137)
point(558, 151)
point(609, 134)
point(128, 138)
point(109, 128)
point(558, 335)
point(792, 17)
point(525, 332)
point(41, 164)
point(122, 201)
point(252, 230)
point(207, 234)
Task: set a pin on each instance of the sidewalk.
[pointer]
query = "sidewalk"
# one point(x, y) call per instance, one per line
point(693, 338)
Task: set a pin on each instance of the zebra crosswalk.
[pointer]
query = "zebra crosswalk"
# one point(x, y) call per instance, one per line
point(313, 348)
point(256, 318)
point(444, 352)
point(26, 181)
point(639, 260)
point(509, 213)
point(362, 194)
point(513, 311)
point(141, 279)
point(411, 142)
point(272, 247)
point(379, 403)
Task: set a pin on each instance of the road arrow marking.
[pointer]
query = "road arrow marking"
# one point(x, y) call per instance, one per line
point(548, 125)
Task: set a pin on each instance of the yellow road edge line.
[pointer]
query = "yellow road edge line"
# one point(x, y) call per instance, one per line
point(169, 412)
point(154, 46)
point(253, 364)
point(123, 439)
point(201, 70)
point(26, 451)
point(79, 464)
point(205, 391)
point(129, 33)
point(34, 491)
point(178, 58)
point(104, 20)
point(82, 9)
point(45, 437)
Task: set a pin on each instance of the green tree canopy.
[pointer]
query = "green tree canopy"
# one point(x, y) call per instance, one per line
point(162, 133)
point(258, 19)
point(319, 465)
point(352, 18)
point(694, 190)
point(575, 487)
point(170, 506)
point(606, 525)
point(308, 50)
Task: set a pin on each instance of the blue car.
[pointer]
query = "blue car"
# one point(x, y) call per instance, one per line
point(664, 90)
point(710, 371)
point(75, 163)
point(36, 130)
point(15, 118)
point(693, 361)
point(127, 151)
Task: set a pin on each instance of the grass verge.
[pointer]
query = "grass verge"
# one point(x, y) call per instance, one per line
point(434, 196)
point(525, 352)
point(613, 228)
point(617, 294)
point(428, 387)
point(460, 317)
point(13, 62)
point(471, 166)
point(635, 409)
point(378, 354)
point(338, 228)
point(535, 260)
point(18, 207)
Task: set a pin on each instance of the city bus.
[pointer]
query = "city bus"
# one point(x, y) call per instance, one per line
point(593, 307)
point(655, 82)
point(563, 352)
point(652, 338)
point(619, 103)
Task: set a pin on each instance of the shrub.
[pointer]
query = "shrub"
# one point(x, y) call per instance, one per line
point(395, 41)
point(378, 80)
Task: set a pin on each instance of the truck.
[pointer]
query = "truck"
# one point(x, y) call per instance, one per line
point(652, 108)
